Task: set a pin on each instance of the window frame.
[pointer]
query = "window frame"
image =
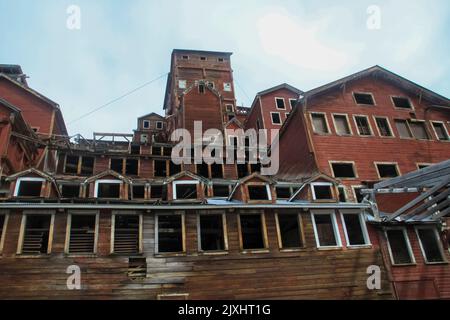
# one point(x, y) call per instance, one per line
point(403, 97)
point(334, 225)
point(427, 131)
point(439, 243)
point(22, 229)
point(224, 230)
point(19, 180)
point(69, 227)
point(269, 193)
point(113, 225)
point(353, 163)
point(433, 122)
point(408, 246)
point(301, 234)
point(397, 168)
point(362, 104)
point(357, 186)
point(183, 235)
point(364, 230)
point(276, 103)
point(177, 182)
point(271, 118)
point(79, 164)
point(322, 184)
point(290, 104)
point(265, 238)
point(159, 122)
point(229, 105)
point(3, 230)
point(311, 114)
point(368, 123)
point(388, 123)
point(418, 164)
point(227, 87)
point(108, 181)
point(348, 124)
point(144, 122)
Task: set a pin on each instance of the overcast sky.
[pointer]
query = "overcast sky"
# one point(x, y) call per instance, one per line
point(123, 44)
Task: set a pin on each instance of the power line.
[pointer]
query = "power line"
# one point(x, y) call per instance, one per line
point(117, 99)
point(242, 89)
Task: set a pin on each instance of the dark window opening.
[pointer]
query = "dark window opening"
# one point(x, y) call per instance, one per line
point(343, 170)
point(216, 170)
point(383, 127)
point(220, 59)
point(423, 166)
point(202, 170)
point(137, 268)
point(82, 234)
point(354, 228)
point(283, 192)
point(292, 102)
point(276, 119)
point(170, 233)
point(203, 58)
point(430, 245)
point(342, 197)
point(160, 169)
point(387, 170)
point(36, 234)
point(157, 191)
point(139, 192)
point(185, 57)
point(242, 169)
point(280, 103)
point(319, 123)
point(108, 190)
point(70, 190)
point(399, 246)
point(167, 151)
point(126, 234)
point(211, 232)
point(135, 150)
point(325, 230)
point(201, 88)
point(71, 164)
point(174, 168)
point(364, 98)
point(2, 224)
point(186, 191)
point(87, 165)
point(363, 126)
point(252, 231)
point(132, 166)
point(116, 165)
point(156, 150)
point(220, 190)
point(29, 188)
point(289, 231)
point(258, 193)
point(402, 103)
point(359, 195)
point(255, 167)
point(441, 133)
point(322, 192)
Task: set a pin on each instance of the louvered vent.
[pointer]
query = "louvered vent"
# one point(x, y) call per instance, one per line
point(36, 234)
point(82, 234)
point(126, 234)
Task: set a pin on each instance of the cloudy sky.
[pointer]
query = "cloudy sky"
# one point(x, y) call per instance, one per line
point(124, 44)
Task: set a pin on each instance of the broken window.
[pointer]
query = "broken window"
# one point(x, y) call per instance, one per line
point(70, 190)
point(358, 194)
point(322, 191)
point(401, 102)
point(289, 229)
point(116, 165)
point(343, 170)
point(430, 244)
point(131, 167)
point(36, 234)
point(71, 166)
point(146, 124)
point(342, 195)
point(441, 131)
point(325, 230)
point(220, 190)
point(319, 123)
point(362, 123)
point(387, 170)
point(202, 170)
point(280, 103)
point(126, 234)
point(108, 189)
point(82, 233)
point(342, 126)
point(283, 192)
point(185, 190)
point(399, 246)
point(211, 232)
point(138, 191)
point(419, 130)
point(137, 268)
point(174, 168)
point(160, 169)
point(364, 98)
point(355, 229)
point(403, 129)
point(383, 127)
point(252, 231)
point(276, 119)
point(157, 191)
point(170, 233)
point(258, 192)
point(29, 188)
point(242, 169)
point(216, 170)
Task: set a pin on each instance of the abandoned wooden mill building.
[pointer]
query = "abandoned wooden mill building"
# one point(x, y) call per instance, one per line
point(364, 180)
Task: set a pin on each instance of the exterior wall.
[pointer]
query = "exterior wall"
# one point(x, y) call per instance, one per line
point(306, 273)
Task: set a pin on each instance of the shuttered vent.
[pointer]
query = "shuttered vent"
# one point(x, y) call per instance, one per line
point(137, 268)
point(36, 234)
point(126, 234)
point(82, 234)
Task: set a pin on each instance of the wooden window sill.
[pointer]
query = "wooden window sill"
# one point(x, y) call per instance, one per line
point(251, 251)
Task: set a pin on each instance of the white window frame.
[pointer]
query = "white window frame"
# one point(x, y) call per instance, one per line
point(183, 235)
point(182, 84)
point(69, 227)
point(423, 164)
point(269, 194)
point(224, 230)
point(437, 239)
point(313, 192)
point(108, 181)
point(23, 225)
point(357, 186)
point(364, 230)
point(144, 122)
point(345, 192)
point(161, 123)
point(271, 119)
point(445, 130)
point(276, 103)
point(19, 180)
point(334, 225)
point(389, 125)
point(113, 225)
point(397, 168)
point(348, 124)
point(311, 114)
point(229, 105)
point(175, 183)
point(368, 123)
point(408, 245)
point(3, 230)
point(403, 97)
point(286, 114)
point(227, 87)
point(290, 105)
point(361, 104)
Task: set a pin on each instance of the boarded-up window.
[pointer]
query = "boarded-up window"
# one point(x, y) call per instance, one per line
point(325, 230)
point(126, 234)
point(82, 233)
point(362, 123)
point(29, 188)
point(185, 191)
point(319, 123)
point(290, 234)
point(419, 130)
point(387, 170)
point(399, 246)
point(170, 233)
point(137, 268)
point(258, 192)
point(70, 190)
point(383, 127)
point(160, 169)
point(252, 231)
point(354, 229)
point(364, 98)
point(403, 129)
point(440, 130)
point(221, 190)
point(343, 170)
point(36, 234)
point(342, 127)
point(211, 232)
point(430, 245)
point(401, 102)
point(280, 103)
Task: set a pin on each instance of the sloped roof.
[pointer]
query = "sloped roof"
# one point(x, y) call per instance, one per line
point(280, 86)
point(108, 173)
point(152, 114)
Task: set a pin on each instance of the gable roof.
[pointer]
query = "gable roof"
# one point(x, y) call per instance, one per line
point(278, 87)
point(247, 178)
point(108, 173)
point(28, 172)
point(236, 121)
point(151, 114)
point(185, 173)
